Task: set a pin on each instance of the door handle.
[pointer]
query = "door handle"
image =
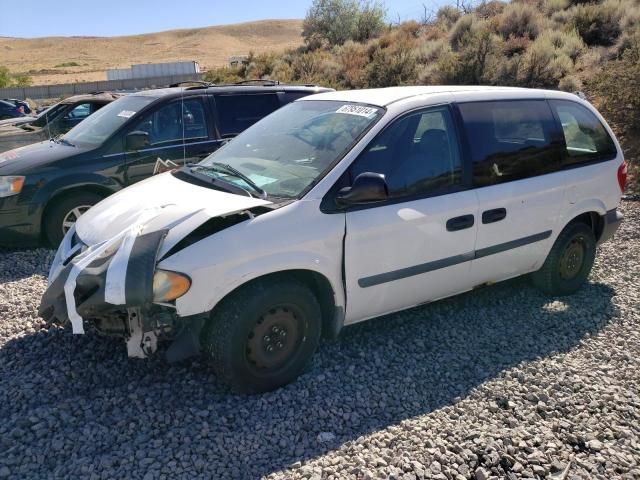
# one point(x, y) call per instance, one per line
point(495, 215)
point(460, 223)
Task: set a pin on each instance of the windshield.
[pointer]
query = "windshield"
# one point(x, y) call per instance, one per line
point(48, 115)
point(96, 128)
point(287, 151)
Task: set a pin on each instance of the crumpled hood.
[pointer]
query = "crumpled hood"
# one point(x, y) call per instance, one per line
point(167, 203)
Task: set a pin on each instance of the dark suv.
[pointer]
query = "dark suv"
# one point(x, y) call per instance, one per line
point(46, 186)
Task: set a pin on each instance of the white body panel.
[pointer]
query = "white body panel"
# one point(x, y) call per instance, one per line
point(533, 206)
point(402, 236)
point(294, 237)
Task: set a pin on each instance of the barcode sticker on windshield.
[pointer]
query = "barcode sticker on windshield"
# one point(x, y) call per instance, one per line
point(357, 110)
point(126, 114)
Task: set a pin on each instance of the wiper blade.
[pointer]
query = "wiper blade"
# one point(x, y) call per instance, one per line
point(236, 173)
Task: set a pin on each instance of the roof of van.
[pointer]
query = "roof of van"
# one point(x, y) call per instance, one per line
point(385, 96)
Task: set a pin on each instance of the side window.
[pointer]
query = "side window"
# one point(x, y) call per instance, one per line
point(510, 140)
point(585, 137)
point(418, 154)
point(174, 122)
point(79, 112)
point(238, 112)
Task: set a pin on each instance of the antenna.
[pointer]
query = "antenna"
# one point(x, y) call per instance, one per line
point(46, 118)
point(184, 146)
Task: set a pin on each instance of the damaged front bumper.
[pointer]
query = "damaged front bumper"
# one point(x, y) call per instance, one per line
point(111, 285)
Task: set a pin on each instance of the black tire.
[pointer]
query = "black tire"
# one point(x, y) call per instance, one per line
point(234, 338)
point(57, 213)
point(569, 262)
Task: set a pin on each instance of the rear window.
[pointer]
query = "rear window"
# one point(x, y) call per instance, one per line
point(510, 140)
point(238, 112)
point(585, 137)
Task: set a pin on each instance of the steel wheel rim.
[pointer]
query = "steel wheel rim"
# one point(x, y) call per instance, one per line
point(72, 217)
point(275, 339)
point(572, 258)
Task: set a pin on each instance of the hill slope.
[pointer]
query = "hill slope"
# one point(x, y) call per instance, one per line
point(70, 59)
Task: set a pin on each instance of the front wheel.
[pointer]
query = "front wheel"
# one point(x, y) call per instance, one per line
point(65, 213)
point(569, 262)
point(262, 336)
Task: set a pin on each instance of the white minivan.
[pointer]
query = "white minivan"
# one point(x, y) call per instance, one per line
point(337, 208)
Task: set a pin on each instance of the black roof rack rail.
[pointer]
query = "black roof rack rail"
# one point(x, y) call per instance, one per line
point(257, 80)
point(192, 83)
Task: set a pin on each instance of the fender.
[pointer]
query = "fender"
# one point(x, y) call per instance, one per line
point(74, 181)
point(582, 206)
point(203, 298)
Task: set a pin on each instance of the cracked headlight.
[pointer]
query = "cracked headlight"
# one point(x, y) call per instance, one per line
point(11, 185)
point(168, 286)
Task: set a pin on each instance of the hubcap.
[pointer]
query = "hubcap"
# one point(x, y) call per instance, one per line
point(572, 258)
point(72, 217)
point(274, 339)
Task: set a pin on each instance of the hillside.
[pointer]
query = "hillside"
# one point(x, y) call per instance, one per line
point(69, 59)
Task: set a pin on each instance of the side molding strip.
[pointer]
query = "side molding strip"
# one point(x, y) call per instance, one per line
point(380, 278)
point(414, 270)
point(501, 247)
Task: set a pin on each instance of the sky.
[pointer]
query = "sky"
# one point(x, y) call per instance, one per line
point(43, 18)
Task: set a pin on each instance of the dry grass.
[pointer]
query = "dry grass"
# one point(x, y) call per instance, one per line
point(211, 46)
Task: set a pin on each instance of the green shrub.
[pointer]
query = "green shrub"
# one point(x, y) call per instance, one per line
point(354, 58)
point(519, 20)
point(333, 22)
point(553, 6)
point(489, 9)
point(570, 83)
point(543, 65)
point(460, 31)
point(260, 65)
point(628, 41)
point(369, 21)
point(395, 65)
point(515, 45)
point(621, 106)
point(477, 49)
point(223, 75)
point(569, 42)
point(5, 77)
point(8, 79)
point(598, 24)
point(447, 16)
point(67, 64)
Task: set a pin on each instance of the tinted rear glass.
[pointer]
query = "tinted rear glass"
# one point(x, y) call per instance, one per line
point(510, 140)
point(238, 112)
point(585, 137)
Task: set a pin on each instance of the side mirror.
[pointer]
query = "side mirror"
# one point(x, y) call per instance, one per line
point(368, 187)
point(136, 140)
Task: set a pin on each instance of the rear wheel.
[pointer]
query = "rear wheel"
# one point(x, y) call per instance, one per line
point(65, 213)
point(262, 336)
point(569, 262)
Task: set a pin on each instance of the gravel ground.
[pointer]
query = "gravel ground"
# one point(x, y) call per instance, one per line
point(498, 383)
